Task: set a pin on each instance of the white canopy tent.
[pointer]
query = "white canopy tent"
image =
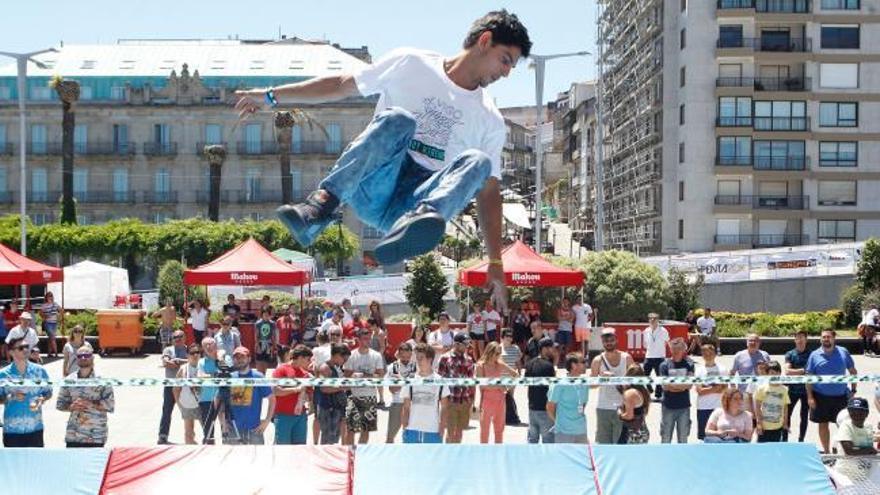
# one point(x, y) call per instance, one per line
point(90, 285)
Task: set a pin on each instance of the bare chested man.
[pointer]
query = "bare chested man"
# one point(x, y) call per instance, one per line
point(166, 328)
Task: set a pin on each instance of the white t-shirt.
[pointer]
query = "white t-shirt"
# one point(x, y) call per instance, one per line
point(346, 318)
point(489, 318)
point(449, 118)
point(320, 355)
point(424, 410)
point(367, 363)
point(655, 342)
point(199, 319)
point(582, 315)
point(871, 318)
point(326, 324)
point(398, 369)
point(436, 337)
point(860, 437)
point(476, 324)
point(709, 401)
point(706, 325)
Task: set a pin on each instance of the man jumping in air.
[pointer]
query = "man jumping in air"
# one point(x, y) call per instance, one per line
point(433, 145)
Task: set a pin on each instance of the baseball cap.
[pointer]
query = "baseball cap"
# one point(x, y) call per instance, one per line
point(241, 350)
point(608, 331)
point(461, 338)
point(545, 342)
point(858, 403)
point(26, 316)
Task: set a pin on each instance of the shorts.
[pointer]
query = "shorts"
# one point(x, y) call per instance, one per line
point(563, 338)
point(194, 413)
point(581, 334)
point(415, 436)
point(478, 336)
point(50, 328)
point(491, 335)
point(827, 407)
point(459, 415)
point(360, 414)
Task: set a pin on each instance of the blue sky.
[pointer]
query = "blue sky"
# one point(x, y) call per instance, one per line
point(555, 26)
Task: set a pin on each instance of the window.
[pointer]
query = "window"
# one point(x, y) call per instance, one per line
point(252, 184)
point(80, 138)
point(161, 217)
point(371, 233)
point(86, 92)
point(681, 114)
point(213, 134)
point(840, 5)
point(117, 93)
point(3, 141)
point(682, 38)
point(780, 116)
point(845, 76)
point(729, 189)
point(41, 218)
point(780, 155)
point(840, 36)
point(839, 114)
point(120, 184)
point(734, 150)
point(681, 190)
point(296, 184)
point(837, 192)
point(5, 93)
point(839, 154)
point(81, 183)
point(296, 139)
point(83, 219)
point(734, 111)
point(162, 182)
point(681, 77)
point(252, 137)
point(41, 92)
point(334, 140)
point(39, 184)
point(680, 152)
point(4, 191)
point(684, 5)
point(161, 134)
point(38, 139)
point(832, 231)
point(680, 228)
point(730, 36)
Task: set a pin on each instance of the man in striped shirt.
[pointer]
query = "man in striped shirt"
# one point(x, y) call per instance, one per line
point(512, 356)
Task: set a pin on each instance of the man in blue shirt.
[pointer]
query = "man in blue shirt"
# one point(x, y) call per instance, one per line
point(826, 400)
point(566, 404)
point(22, 416)
point(246, 402)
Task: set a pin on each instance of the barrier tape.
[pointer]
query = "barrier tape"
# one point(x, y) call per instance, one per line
point(466, 382)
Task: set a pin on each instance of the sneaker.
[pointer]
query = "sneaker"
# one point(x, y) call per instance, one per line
point(306, 220)
point(162, 440)
point(415, 233)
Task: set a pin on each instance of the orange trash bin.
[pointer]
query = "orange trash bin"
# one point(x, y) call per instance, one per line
point(120, 328)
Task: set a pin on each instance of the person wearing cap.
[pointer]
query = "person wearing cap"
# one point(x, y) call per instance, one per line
point(360, 411)
point(458, 364)
point(173, 357)
point(611, 362)
point(540, 425)
point(246, 402)
point(567, 403)
point(22, 414)
point(88, 406)
point(24, 330)
point(656, 339)
point(826, 400)
point(854, 435)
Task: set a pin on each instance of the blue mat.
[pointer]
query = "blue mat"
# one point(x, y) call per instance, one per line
point(52, 471)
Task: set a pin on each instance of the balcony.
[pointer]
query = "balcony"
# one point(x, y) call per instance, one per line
point(767, 44)
point(763, 240)
point(781, 162)
point(200, 147)
point(43, 197)
point(104, 149)
point(6, 197)
point(733, 161)
point(202, 197)
point(7, 149)
point(734, 122)
point(160, 149)
point(764, 202)
point(43, 148)
point(256, 148)
point(93, 197)
point(782, 123)
point(247, 197)
point(766, 83)
point(160, 197)
point(768, 6)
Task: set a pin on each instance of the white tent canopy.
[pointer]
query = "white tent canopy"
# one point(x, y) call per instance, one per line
point(90, 285)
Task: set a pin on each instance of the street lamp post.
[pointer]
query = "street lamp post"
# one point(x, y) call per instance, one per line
point(538, 62)
point(21, 60)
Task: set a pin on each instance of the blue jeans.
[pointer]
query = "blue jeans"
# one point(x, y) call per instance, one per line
point(678, 420)
point(378, 178)
point(702, 421)
point(539, 427)
point(415, 436)
point(290, 429)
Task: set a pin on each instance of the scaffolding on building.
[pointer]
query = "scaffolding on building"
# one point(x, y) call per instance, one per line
point(631, 51)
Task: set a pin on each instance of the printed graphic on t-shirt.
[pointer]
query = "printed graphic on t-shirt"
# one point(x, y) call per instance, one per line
point(241, 396)
point(434, 126)
point(264, 336)
point(424, 396)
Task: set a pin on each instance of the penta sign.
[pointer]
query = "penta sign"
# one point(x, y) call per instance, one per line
point(525, 278)
point(244, 278)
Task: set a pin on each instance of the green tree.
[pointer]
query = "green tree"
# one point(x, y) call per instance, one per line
point(170, 282)
point(337, 242)
point(868, 270)
point(682, 295)
point(426, 287)
point(623, 287)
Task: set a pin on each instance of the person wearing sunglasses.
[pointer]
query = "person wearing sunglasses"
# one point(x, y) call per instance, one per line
point(88, 406)
point(74, 341)
point(22, 414)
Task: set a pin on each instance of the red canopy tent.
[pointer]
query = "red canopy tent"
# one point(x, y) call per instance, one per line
point(523, 267)
point(247, 264)
point(18, 270)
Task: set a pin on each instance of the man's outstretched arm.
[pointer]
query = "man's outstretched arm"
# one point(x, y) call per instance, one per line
point(489, 211)
point(313, 91)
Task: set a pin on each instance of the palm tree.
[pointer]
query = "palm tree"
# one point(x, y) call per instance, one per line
point(216, 155)
point(284, 121)
point(68, 91)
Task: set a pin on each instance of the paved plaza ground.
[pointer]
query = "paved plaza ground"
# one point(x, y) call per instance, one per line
point(136, 420)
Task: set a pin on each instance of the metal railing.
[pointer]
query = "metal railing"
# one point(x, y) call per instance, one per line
point(254, 148)
point(767, 44)
point(104, 196)
point(7, 148)
point(734, 122)
point(153, 148)
point(43, 148)
point(6, 197)
point(782, 123)
point(763, 240)
point(769, 6)
point(160, 197)
point(796, 83)
point(781, 162)
point(105, 148)
point(763, 202)
point(200, 147)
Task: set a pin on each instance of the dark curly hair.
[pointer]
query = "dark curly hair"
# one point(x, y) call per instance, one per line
point(505, 28)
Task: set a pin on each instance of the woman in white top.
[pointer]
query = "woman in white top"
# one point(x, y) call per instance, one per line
point(199, 320)
point(730, 423)
point(77, 338)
